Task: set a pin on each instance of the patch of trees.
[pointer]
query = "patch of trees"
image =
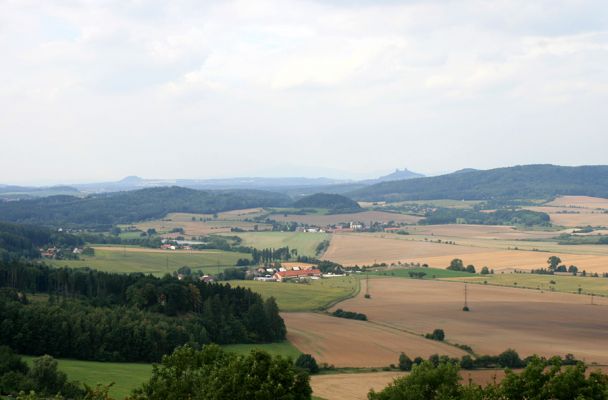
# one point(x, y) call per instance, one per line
point(107, 210)
point(520, 182)
point(43, 377)
point(212, 373)
point(417, 274)
point(308, 363)
point(437, 334)
point(457, 265)
point(321, 248)
point(340, 313)
point(566, 239)
point(128, 317)
point(17, 241)
point(542, 379)
point(498, 217)
point(334, 202)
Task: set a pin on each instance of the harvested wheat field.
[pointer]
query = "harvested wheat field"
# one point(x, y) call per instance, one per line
point(501, 260)
point(365, 249)
point(580, 201)
point(574, 217)
point(500, 318)
point(356, 386)
point(333, 219)
point(486, 232)
point(349, 343)
point(362, 249)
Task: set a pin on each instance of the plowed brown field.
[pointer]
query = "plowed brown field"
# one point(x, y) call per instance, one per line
point(500, 318)
point(348, 343)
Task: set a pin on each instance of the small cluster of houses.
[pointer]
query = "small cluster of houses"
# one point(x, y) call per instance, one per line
point(55, 252)
point(290, 271)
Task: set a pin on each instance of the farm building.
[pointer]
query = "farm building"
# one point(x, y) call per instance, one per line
point(293, 274)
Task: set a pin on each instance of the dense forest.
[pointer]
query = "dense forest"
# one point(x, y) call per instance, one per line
point(105, 210)
point(333, 202)
point(520, 182)
point(92, 315)
point(498, 217)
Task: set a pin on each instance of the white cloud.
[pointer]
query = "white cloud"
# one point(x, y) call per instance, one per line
point(323, 81)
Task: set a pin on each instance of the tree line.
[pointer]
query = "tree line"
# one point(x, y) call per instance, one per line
point(96, 315)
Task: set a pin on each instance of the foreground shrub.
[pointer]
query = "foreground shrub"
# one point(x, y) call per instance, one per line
point(212, 373)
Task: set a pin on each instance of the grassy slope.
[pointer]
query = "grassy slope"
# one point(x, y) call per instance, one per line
point(304, 297)
point(128, 376)
point(152, 262)
point(598, 286)
point(306, 243)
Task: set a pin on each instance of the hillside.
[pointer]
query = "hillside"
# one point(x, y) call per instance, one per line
point(132, 206)
point(520, 182)
point(334, 202)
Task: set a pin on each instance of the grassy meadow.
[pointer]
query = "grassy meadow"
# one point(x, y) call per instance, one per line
point(315, 295)
point(152, 261)
point(306, 243)
point(128, 376)
point(431, 273)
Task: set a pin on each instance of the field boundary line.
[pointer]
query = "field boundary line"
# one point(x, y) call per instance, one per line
point(350, 295)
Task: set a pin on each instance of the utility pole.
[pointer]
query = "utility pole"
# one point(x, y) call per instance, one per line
point(367, 296)
point(466, 302)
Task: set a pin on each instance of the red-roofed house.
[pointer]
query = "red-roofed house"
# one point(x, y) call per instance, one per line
point(293, 274)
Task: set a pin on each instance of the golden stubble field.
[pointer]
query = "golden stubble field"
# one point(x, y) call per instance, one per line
point(349, 343)
point(364, 249)
point(356, 386)
point(573, 211)
point(526, 320)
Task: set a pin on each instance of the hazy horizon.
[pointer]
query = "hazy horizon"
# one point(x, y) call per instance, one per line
point(348, 90)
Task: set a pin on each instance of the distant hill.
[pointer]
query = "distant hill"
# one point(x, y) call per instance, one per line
point(520, 182)
point(135, 183)
point(132, 206)
point(397, 176)
point(12, 192)
point(333, 202)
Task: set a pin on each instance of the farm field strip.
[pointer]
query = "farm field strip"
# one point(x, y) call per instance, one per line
point(153, 261)
point(332, 219)
point(365, 249)
point(568, 284)
point(305, 242)
point(356, 386)
point(500, 317)
point(349, 343)
point(315, 295)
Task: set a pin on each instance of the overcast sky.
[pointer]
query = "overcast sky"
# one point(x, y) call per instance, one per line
point(97, 90)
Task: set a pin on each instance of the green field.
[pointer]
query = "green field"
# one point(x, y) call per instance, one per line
point(284, 349)
point(126, 376)
point(305, 243)
point(563, 283)
point(129, 259)
point(431, 273)
point(317, 294)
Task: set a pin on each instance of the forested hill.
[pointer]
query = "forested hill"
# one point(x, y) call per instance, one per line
point(333, 202)
point(132, 206)
point(520, 182)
